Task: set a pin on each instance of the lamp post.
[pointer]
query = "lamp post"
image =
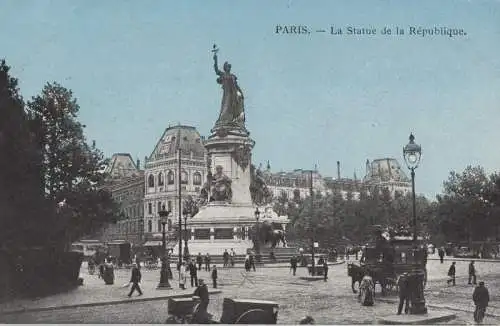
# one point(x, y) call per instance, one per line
point(257, 242)
point(186, 212)
point(412, 153)
point(311, 228)
point(164, 284)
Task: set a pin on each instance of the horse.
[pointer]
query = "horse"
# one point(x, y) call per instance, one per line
point(277, 236)
point(358, 272)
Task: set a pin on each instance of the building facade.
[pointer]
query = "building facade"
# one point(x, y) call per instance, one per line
point(161, 177)
point(126, 184)
point(293, 184)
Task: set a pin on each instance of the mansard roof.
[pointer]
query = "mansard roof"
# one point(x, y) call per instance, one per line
point(186, 138)
point(121, 165)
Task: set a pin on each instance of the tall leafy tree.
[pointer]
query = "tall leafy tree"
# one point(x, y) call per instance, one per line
point(72, 169)
point(21, 201)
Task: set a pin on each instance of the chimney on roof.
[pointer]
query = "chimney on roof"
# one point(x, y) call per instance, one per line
point(268, 167)
point(138, 164)
point(338, 170)
point(367, 167)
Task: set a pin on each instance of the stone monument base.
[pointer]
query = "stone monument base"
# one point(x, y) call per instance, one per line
point(218, 226)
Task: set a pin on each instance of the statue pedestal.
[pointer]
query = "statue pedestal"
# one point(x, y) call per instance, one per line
point(232, 151)
point(222, 225)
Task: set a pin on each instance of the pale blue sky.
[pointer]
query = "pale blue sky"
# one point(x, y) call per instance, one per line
point(138, 66)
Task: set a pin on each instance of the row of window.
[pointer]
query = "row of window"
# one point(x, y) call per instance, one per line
point(134, 211)
point(171, 179)
point(160, 206)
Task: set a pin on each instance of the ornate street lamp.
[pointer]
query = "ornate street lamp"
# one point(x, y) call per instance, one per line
point(186, 212)
point(164, 284)
point(257, 236)
point(412, 153)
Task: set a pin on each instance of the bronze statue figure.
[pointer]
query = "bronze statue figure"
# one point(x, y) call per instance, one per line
point(220, 189)
point(232, 109)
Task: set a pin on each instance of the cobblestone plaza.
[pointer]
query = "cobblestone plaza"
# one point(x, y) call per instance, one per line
point(329, 302)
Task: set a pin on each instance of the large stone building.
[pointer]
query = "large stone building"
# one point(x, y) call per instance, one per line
point(293, 183)
point(384, 173)
point(126, 184)
point(161, 176)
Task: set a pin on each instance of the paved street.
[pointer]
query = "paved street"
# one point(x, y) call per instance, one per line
point(330, 302)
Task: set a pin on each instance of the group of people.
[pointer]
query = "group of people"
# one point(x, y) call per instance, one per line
point(229, 258)
point(190, 268)
point(452, 274)
point(200, 260)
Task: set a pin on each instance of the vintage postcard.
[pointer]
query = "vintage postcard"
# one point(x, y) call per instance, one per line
point(249, 162)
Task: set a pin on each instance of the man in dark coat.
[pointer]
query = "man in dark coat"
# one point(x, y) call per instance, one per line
point(451, 274)
point(441, 254)
point(404, 293)
point(201, 314)
point(193, 272)
point(135, 279)
point(472, 273)
point(225, 258)
point(199, 260)
point(325, 270)
point(251, 260)
point(293, 264)
point(207, 262)
point(481, 297)
point(214, 277)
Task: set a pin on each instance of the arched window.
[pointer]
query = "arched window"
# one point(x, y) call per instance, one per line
point(151, 181)
point(160, 179)
point(159, 207)
point(170, 178)
point(169, 222)
point(197, 178)
point(150, 226)
point(184, 177)
point(150, 208)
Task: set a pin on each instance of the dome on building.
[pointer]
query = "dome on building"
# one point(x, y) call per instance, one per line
point(185, 137)
point(385, 169)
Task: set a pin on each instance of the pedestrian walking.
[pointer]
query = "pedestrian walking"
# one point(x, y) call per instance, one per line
point(225, 257)
point(404, 293)
point(451, 274)
point(182, 276)
point(472, 273)
point(232, 257)
point(481, 297)
point(251, 261)
point(214, 276)
point(135, 279)
point(441, 254)
point(199, 260)
point(193, 272)
point(207, 262)
point(325, 270)
point(293, 264)
point(247, 263)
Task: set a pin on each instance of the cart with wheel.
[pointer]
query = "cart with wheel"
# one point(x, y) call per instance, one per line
point(182, 310)
point(249, 311)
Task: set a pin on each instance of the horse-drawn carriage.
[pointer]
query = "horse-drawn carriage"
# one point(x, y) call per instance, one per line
point(234, 311)
point(387, 259)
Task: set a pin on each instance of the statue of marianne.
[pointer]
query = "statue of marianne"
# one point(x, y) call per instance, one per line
point(232, 109)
